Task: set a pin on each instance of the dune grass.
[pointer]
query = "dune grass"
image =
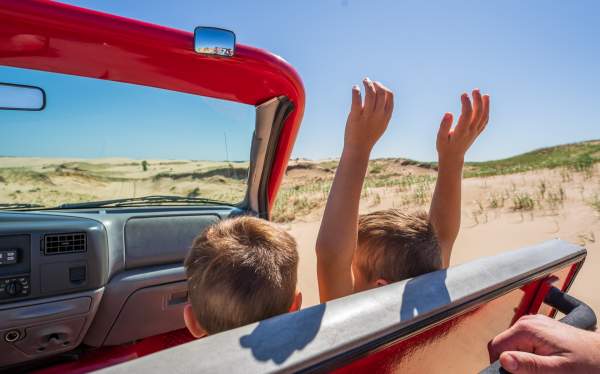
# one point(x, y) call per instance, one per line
point(412, 181)
point(301, 197)
point(577, 156)
point(23, 175)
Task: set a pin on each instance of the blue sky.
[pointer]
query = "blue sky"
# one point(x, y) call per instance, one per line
point(93, 118)
point(539, 60)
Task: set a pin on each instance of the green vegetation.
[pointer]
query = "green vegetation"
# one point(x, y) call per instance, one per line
point(401, 182)
point(523, 202)
point(376, 169)
point(94, 173)
point(239, 173)
point(89, 166)
point(23, 175)
point(577, 156)
point(301, 196)
point(497, 200)
point(194, 193)
point(56, 182)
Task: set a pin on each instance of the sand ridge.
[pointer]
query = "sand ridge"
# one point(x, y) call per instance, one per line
point(499, 212)
point(496, 217)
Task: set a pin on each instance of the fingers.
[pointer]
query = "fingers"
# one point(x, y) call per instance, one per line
point(389, 106)
point(370, 98)
point(528, 363)
point(380, 93)
point(485, 113)
point(356, 100)
point(445, 126)
point(363, 130)
point(474, 114)
point(521, 336)
point(465, 115)
point(385, 100)
point(477, 110)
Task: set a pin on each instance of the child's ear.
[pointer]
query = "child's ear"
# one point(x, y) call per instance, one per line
point(192, 323)
point(381, 282)
point(297, 302)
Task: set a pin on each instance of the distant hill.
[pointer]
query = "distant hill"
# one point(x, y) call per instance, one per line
point(579, 156)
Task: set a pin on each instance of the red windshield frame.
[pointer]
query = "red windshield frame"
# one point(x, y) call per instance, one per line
point(60, 38)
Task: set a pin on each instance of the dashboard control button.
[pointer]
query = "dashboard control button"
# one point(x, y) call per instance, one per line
point(77, 274)
point(8, 256)
point(14, 287)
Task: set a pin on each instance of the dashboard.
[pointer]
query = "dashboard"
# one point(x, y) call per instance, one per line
point(95, 277)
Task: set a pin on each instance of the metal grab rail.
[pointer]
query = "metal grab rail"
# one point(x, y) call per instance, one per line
point(343, 333)
point(577, 314)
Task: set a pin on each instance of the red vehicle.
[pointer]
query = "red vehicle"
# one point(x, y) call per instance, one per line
point(93, 284)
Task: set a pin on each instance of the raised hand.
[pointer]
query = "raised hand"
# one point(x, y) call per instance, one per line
point(338, 234)
point(453, 143)
point(367, 122)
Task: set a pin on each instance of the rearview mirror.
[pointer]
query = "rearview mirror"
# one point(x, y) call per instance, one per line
point(214, 41)
point(21, 97)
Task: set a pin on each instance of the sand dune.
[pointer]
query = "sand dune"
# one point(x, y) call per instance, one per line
point(487, 230)
point(499, 213)
point(53, 181)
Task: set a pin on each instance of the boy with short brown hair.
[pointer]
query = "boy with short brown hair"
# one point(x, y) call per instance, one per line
point(393, 245)
point(358, 253)
point(240, 270)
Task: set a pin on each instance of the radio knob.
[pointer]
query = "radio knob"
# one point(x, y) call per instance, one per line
point(13, 287)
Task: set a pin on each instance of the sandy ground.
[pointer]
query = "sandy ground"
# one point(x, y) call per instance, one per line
point(487, 231)
point(54, 181)
point(555, 203)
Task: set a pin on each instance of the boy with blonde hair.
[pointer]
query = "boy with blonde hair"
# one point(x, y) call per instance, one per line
point(240, 270)
point(358, 253)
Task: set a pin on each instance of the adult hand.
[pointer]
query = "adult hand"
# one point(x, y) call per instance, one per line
point(539, 344)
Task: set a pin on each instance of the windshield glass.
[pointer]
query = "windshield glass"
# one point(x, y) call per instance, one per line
point(103, 140)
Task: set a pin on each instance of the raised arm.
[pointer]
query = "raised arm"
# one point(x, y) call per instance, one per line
point(452, 144)
point(339, 229)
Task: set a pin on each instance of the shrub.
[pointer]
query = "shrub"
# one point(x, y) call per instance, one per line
point(194, 193)
point(523, 202)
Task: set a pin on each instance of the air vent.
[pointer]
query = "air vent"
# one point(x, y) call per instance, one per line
point(64, 243)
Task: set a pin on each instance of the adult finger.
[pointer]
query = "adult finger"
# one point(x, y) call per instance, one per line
point(528, 363)
point(465, 115)
point(521, 336)
point(477, 109)
point(369, 95)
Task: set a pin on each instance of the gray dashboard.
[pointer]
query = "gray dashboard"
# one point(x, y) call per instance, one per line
point(93, 277)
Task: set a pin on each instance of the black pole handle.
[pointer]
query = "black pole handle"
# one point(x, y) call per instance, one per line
point(577, 314)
